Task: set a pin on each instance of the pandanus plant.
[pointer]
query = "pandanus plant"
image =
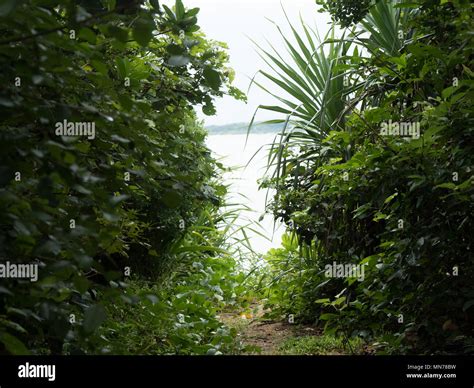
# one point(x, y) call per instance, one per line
point(319, 82)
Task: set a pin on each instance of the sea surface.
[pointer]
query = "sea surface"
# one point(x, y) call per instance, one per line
point(234, 151)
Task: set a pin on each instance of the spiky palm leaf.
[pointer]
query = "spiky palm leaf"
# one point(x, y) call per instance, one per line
point(315, 88)
point(318, 98)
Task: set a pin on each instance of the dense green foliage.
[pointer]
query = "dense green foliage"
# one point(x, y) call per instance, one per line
point(107, 185)
point(321, 345)
point(94, 209)
point(288, 280)
point(180, 314)
point(346, 12)
point(398, 204)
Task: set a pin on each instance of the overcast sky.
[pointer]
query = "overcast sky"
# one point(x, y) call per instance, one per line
point(233, 22)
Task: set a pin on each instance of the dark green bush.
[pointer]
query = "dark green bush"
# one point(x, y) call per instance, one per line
point(402, 207)
point(87, 207)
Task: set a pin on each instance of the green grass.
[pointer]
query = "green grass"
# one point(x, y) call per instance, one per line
point(320, 345)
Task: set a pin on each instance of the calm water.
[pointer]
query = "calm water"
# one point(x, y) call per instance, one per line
point(232, 152)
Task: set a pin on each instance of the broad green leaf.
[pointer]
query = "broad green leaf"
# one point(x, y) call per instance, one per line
point(13, 344)
point(7, 6)
point(143, 31)
point(155, 4)
point(94, 316)
point(212, 77)
point(180, 11)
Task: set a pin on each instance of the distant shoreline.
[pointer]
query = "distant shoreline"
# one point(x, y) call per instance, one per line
point(242, 128)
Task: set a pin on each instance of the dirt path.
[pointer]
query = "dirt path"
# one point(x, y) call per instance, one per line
point(264, 336)
point(259, 335)
point(269, 336)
